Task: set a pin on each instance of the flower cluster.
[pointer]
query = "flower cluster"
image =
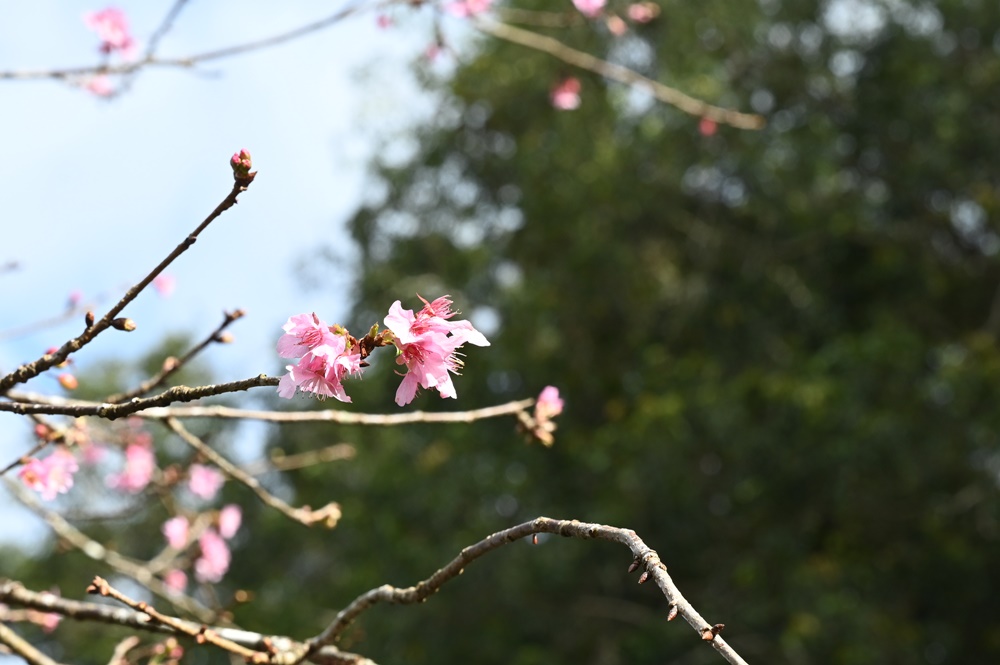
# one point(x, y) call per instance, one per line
point(52, 475)
point(112, 28)
point(426, 343)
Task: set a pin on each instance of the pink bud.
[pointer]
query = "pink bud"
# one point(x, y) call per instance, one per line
point(68, 381)
point(241, 163)
point(707, 127)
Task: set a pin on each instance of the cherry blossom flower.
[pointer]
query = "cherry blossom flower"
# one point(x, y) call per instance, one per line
point(140, 463)
point(707, 127)
point(468, 8)
point(565, 95)
point(214, 561)
point(175, 530)
point(303, 333)
point(383, 21)
point(50, 476)
point(99, 85)
point(111, 27)
point(230, 518)
point(643, 12)
point(204, 481)
point(427, 343)
point(589, 8)
point(176, 580)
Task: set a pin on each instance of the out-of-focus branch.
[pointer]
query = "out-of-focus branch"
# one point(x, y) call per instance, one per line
point(117, 562)
point(328, 515)
point(14, 593)
point(664, 93)
point(642, 557)
point(162, 375)
point(33, 369)
point(282, 462)
point(113, 411)
point(187, 61)
point(23, 648)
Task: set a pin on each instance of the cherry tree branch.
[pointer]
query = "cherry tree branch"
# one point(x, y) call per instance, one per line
point(161, 376)
point(23, 648)
point(31, 370)
point(664, 93)
point(14, 593)
point(279, 461)
point(328, 515)
point(642, 557)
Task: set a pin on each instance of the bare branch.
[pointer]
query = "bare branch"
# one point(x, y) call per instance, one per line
point(113, 411)
point(162, 375)
point(328, 515)
point(643, 557)
point(23, 648)
point(14, 593)
point(30, 370)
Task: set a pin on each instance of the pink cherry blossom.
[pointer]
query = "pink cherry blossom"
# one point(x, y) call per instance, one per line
point(176, 580)
point(643, 12)
point(707, 127)
point(99, 85)
point(214, 561)
point(111, 27)
point(204, 481)
point(230, 518)
point(140, 463)
point(49, 621)
point(590, 8)
point(50, 476)
point(164, 284)
point(549, 404)
point(175, 530)
point(383, 21)
point(428, 342)
point(303, 333)
point(322, 369)
point(565, 95)
point(468, 8)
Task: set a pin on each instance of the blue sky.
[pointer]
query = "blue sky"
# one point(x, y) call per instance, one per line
point(94, 193)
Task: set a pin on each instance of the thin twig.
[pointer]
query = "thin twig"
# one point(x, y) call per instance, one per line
point(30, 370)
point(328, 515)
point(23, 648)
point(171, 368)
point(135, 405)
point(643, 557)
point(118, 562)
point(583, 60)
point(14, 593)
point(164, 28)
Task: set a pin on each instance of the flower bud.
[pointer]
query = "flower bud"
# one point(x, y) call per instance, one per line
point(241, 164)
point(68, 381)
point(125, 324)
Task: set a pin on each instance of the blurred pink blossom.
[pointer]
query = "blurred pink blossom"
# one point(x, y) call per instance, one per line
point(50, 476)
point(565, 95)
point(383, 21)
point(643, 12)
point(230, 518)
point(164, 284)
point(99, 85)
point(467, 8)
point(213, 563)
point(589, 8)
point(707, 127)
point(140, 463)
point(175, 530)
point(176, 580)
point(111, 27)
point(549, 404)
point(204, 481)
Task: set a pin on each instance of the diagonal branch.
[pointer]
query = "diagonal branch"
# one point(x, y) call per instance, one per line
point(23, 648)
point(583, 60)
point(328, 515)
point(31, 370)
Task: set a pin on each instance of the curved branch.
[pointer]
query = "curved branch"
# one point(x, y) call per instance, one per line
point(643, 557)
